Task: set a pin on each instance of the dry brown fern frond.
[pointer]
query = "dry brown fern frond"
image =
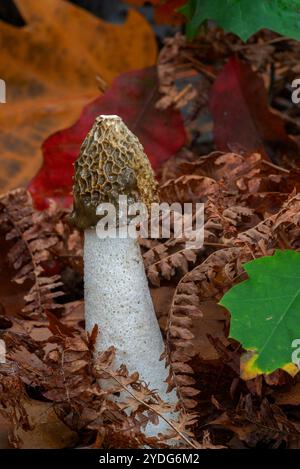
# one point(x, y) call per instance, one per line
point(277, 231)
point(31, 235)
point(208, 281)
point(70, 377)
point(167, 259)
point(188, 188)
point(173, 257)
point(12, 399)
point(139, 399)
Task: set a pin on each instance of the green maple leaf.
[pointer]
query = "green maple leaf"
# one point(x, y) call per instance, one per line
point(265, 311)
point(245, 17)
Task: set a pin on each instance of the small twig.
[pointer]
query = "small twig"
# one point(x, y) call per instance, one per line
point(217, 245)
point(259, 44)
point(102, 85)
point(200, 67)
point(275, 166)
point(182, 93)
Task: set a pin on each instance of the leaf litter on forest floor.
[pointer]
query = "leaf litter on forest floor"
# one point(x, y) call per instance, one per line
point(251, 209)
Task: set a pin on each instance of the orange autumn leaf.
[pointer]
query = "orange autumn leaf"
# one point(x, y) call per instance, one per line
point(50, 67)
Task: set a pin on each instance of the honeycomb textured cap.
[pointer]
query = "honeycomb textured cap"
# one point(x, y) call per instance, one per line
point(111, 162)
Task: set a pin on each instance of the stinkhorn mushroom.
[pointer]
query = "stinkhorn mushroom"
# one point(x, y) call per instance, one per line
point(112, 162)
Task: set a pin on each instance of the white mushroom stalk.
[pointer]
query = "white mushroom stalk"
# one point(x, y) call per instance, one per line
point(112, 162)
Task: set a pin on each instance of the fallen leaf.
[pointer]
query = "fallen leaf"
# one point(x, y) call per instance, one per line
point(263, 317)
point(212, 323)
point(244, 18)
point(74, 314)
point(51, 66)
point(132, 96)
point(4, 429)
point(291, 397)
point(162, 300)
point(243, 121)
point(165, 11)
point(47, 430)
point(243, 430)
point(58, 328)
